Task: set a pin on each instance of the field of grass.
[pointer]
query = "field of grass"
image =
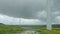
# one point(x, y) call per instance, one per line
point(43, 30)
point(8, 29)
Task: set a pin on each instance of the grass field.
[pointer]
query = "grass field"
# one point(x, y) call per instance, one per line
point(8, 29)
point(43, 30)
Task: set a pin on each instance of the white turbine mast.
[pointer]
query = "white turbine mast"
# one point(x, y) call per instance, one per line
point(49, 14)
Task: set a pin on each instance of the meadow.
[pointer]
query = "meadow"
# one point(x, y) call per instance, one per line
point(9, 29)
point(43, 30)
point(13, 29)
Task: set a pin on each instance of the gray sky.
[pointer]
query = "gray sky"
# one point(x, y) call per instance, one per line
point(29, 9)
point(21, 8)
point(25, 8)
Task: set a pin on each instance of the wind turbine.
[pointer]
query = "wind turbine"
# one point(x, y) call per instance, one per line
point(49, 14)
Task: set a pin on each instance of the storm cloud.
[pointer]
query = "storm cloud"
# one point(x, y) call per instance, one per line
point(29, 9)
point(22, 8)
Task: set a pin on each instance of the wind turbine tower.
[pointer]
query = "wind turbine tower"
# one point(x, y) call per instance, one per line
point(49, 14)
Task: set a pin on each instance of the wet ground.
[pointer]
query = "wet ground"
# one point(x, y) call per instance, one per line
point(29, 30)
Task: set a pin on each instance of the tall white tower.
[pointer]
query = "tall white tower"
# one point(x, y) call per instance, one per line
point(49, 14)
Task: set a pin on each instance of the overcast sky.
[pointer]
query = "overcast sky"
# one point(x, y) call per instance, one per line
point(30, 10)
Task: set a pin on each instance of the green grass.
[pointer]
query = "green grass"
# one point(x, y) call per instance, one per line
point(43, 30)
point(10, 29)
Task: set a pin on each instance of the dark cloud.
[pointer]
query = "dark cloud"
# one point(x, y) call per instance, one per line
point(21, 8)
point(56, 5)
point(26, 8)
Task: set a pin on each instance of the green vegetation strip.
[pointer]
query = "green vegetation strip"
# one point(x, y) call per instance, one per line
point(43, 30)
point(8, 29)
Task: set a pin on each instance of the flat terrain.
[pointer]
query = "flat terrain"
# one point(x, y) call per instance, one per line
point(43, 30)
point(9, 29)
point(15, 29)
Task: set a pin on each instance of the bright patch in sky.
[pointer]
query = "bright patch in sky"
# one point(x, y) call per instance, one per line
point(18, 21)
point(30, 21)
point(22, 21)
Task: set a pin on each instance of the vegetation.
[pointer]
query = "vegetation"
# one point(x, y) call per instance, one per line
point(8, 29)
point(43, 30)
point(12, 29)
